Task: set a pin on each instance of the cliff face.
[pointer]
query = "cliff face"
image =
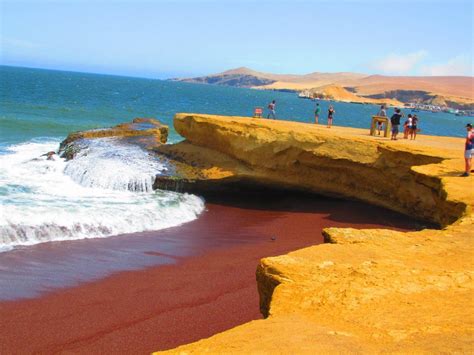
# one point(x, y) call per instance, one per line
point(368, 291)
point(364, 290)
point(339, 162)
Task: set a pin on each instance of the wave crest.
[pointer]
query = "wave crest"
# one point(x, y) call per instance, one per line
point(106, 191)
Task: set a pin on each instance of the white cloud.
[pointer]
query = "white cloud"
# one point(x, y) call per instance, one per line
point(399, 63)
point(459, 65)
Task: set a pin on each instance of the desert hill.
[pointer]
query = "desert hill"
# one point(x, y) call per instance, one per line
point(339, 93)
point(453, 91)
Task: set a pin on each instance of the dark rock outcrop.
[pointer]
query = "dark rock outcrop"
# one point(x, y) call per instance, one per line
point(237, 80)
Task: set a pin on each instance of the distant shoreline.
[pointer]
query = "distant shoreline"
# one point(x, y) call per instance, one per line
point(453, 92)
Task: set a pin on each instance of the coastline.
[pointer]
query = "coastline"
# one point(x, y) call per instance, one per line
point(353, 87)
point(200, 295)
point(364, 290)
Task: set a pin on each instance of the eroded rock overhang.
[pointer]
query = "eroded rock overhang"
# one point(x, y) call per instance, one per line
point(222, 152)
point(366, 291)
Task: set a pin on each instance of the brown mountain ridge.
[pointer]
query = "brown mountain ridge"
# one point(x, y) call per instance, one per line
point(451, 91)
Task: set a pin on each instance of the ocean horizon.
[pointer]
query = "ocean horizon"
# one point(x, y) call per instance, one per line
point(52, 103)
point(45, 200)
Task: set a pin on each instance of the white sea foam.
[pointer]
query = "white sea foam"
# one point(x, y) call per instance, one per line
point(105, 191)
point(106, 163)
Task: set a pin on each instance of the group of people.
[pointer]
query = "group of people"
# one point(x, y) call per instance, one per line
point(410, 126)
point(331, 112)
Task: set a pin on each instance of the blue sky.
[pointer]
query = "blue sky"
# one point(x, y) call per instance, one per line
point(183, 38)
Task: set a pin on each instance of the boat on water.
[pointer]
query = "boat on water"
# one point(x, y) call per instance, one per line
point(303, 95)
point(464, 113)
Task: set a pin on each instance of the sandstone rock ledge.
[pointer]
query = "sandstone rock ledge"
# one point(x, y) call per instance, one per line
point(364, 290)
point(145, 132)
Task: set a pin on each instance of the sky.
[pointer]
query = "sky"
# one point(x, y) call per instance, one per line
point(182, 38)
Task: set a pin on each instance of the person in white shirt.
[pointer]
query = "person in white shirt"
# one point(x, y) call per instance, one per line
point(382, 113)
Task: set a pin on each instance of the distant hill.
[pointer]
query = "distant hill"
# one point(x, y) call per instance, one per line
point(276, 81)
point(453, 91)
point(339, 93)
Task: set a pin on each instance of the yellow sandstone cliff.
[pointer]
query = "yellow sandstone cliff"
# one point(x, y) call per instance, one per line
point(364, 290)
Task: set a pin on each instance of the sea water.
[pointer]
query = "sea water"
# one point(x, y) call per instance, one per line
point(107, 190)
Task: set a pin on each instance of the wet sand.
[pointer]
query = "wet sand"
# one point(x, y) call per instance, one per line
point(206, 288)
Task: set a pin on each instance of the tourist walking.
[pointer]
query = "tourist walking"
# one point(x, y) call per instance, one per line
point(468, 149)
point(316, 113)
point(414, 127)
point(382, 113)
point(331, 113)
point(395, 121)
point(272, 109)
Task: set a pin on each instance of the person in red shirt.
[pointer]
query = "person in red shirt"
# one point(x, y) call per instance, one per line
point(272, 109)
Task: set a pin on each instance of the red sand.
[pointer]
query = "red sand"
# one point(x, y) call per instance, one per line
point(163, 307)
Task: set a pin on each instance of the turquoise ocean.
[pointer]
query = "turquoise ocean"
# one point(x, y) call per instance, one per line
point(89, 197)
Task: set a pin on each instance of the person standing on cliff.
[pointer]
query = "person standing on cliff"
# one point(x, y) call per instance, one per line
point(407, 126)
point(395, 121)
point(316, 113)
point(331, 112)
point(271, 108)
point(414, 127)
point(468, 149)
point(382, 113)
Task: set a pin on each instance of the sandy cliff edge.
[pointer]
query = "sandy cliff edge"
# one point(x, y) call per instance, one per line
point(365, 290)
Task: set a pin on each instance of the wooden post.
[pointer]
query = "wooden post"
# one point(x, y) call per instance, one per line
point(388, 127)
point(372, 126)
point(375, 121)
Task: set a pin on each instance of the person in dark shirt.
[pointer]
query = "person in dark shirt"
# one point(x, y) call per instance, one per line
point(414, 127)
point(395, 121)
point(331, 112)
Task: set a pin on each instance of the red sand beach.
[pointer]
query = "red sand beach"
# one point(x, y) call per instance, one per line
point(162, 307)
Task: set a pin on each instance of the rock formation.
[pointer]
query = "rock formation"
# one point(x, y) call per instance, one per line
point(146, 132)
point(341, 162)
point(364, 290)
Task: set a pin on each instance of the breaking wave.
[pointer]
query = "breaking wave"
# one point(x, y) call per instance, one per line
point(106, 190)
